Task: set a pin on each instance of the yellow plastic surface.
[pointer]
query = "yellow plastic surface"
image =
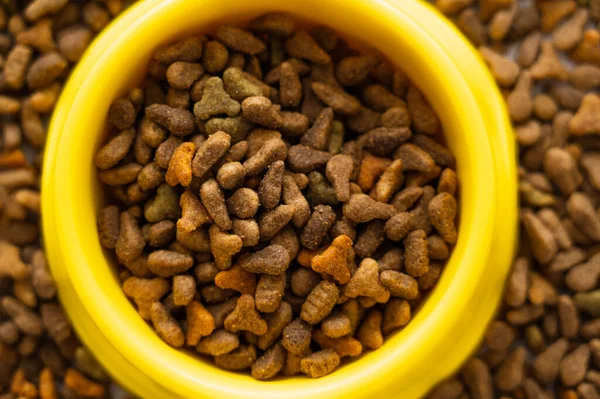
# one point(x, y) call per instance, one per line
point(450, 324)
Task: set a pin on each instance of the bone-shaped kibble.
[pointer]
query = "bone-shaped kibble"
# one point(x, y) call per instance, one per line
point(11, 265)
point(245, 317)
point(223, 246)
point(200, 323)
point(587, 120)
point(236, 279)
point(215, 101)
point(365, 282)
point(164, 206)
point(145, 292)
point(335, 259)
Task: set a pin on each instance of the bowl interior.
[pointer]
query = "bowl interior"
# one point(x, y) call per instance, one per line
point(117, 62)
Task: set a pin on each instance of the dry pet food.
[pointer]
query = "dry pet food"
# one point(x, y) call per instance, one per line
point(276, 203)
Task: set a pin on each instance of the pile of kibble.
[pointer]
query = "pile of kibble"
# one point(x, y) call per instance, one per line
point(40, 42)
point(277, 200)
point(545, 341)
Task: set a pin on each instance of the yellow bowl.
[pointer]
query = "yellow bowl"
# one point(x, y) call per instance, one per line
point(451, 322)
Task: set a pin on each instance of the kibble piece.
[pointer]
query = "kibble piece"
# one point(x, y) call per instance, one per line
point(390, 181)
point(477, 377)
point(519, 101)
point(400, 284)
point(16, 65)
point(546, 364)
point(320, 364)
point(423, 117)
point(317, 227)
point(570, 33)
point(362, 208)
point(581, 210)
point(269, 292)
point(335, 259)
point(272, 260)
point(574, 366)
point(271, 185)
point(504, 70)
point(352, 70)
point(270, 363)
point(369, 333)
point(219, 342)
point(542, 240)
point(178, 121)
point(548, 65)
point(586, 120)
point(365, 282)
point(166, 326)
point(200, 323)
point(245, 317)
point(319, 302)
point(180, 165)
point(336, 98)
point(236, 279)
point(145, 292)
point(209, 152)
point(271, 222)
point(271, 151)
point(561, 169)
point(240, 40)
point(301, 45)
point(442, 212)
point(239, 359)
point(223, 246)
point(193, 213)
point(509, 376)
point(339, 171)
point(292, 195)
point(166, 263)
point(130, 243)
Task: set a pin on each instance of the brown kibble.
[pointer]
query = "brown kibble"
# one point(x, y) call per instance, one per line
point(271, 151)
point(193, 213)
point(248, 230)
point(243, 203)
point(582, 212)
point(548, 65)
point(78, 383)
point(574, 366)
point(519, 101)
point(305, 159)
point(442, 212)
point(182, 75)
point(417, 253)
point(301, 45)
point(240, 40)
point(336, 325)
point(45, 69)
point(145, 292)
point(369, 333)
point(209, 152)
point(273, 24)
point(398, 226)
point(504, 70)
point(290, 87)
point(340, 101)
point(213, 199)
point(319, 302)
point(382, 141)
point(318, 136)
point(27, 321)
point(400, 284)
point(270, 363)
point(499, 335)
point(239, 359)
point(121, 114)
point(269, 191)
point(184, 288)
point(223, 246)
point(297, 337)
point(303, 281)
point(546, 364)
point(231, 175)
point(570, 33)
point(271, 222)
point(389, 182)
point(321, 363)
point(339, 171)
point(353, 70)
point(178, 121)
point(293, 196)
point(586, 119)
point(584, 277)
point(73, 40)
point(218, 343)
point(554, 11)
point(361, 208)
point(260, 110)
point(335, 259)
point(371, 168)
point(272, 260)
point(16, 65)
point(477, 377)
point(343, 346)
point(166, 263)
point(470, 24)
point(585, 76)
point(509, 376)
point(365, 282)
point(166, 326)
point(200, 323)
point(544, 107)
point(541, 238)
point(130, 243)
point(561, 169)
point(215, 57)
point(317, 226)
point(568, 316)
point(245, 317)
point(239, 85)
point(269, 292)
